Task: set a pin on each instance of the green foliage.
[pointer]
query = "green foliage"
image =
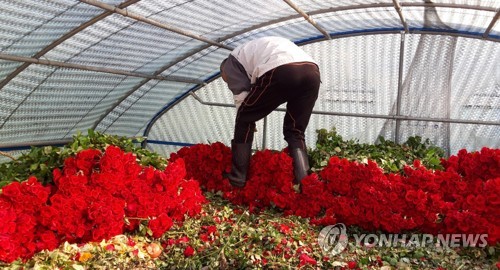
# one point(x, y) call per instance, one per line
point(41, 161)
point(390, 156)
point(38, 162)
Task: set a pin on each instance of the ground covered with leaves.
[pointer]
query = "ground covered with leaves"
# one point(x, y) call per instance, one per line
point(226, 236)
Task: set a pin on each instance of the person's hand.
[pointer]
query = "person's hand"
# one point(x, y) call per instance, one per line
point(237, 103)
point(238, 99)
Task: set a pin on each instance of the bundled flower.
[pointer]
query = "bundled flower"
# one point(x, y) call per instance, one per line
point(96, 196)
point(461, 199)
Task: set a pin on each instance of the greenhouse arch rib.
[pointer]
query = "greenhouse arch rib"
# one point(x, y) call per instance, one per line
point(398, 8)
point(140, 18)
point(29, 60)
point(490, 26)
point(61, 40)
point(308, 18)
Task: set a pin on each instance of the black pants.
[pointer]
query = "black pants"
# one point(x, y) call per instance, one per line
point(297, 84)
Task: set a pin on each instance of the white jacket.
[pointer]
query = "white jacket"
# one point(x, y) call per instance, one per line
point(260, 55)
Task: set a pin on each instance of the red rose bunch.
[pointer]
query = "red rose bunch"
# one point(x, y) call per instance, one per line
point(206, 163)
point(461, 199)
point(20, 211)
point(269, 182)
point(483, 164)
point(95, 196)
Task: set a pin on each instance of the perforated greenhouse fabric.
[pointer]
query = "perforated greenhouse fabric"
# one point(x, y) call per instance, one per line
point(151, 68)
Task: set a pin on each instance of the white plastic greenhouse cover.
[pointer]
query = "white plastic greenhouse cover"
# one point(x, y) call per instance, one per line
point(151, 68)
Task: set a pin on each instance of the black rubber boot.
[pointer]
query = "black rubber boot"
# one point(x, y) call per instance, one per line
point(240, 162)
point(300, 164)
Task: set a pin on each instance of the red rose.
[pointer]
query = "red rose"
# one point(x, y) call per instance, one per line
point(352, 265)
point(305, 259)
point(189, 251)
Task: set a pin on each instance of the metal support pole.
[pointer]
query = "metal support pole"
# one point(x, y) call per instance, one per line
point(308, 18)
point(264, 133)
point(398, 8)
point(366, 115)
point(143, 19)
point(400, 85)
point(448, 99)
point(490, 26)
point(16, 58)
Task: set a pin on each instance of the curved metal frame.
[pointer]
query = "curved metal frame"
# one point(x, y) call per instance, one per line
point(61, 40)
point(308, 18)
point(140, 18)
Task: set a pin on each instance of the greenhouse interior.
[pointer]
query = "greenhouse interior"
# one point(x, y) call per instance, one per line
point(145, 76)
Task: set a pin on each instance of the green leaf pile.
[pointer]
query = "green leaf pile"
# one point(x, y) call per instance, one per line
point(41, 161)
point(390, 156)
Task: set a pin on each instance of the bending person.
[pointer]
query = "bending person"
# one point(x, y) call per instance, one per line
point(263, 74)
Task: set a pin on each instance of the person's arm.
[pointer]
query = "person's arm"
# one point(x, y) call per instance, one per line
point(237, 80)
